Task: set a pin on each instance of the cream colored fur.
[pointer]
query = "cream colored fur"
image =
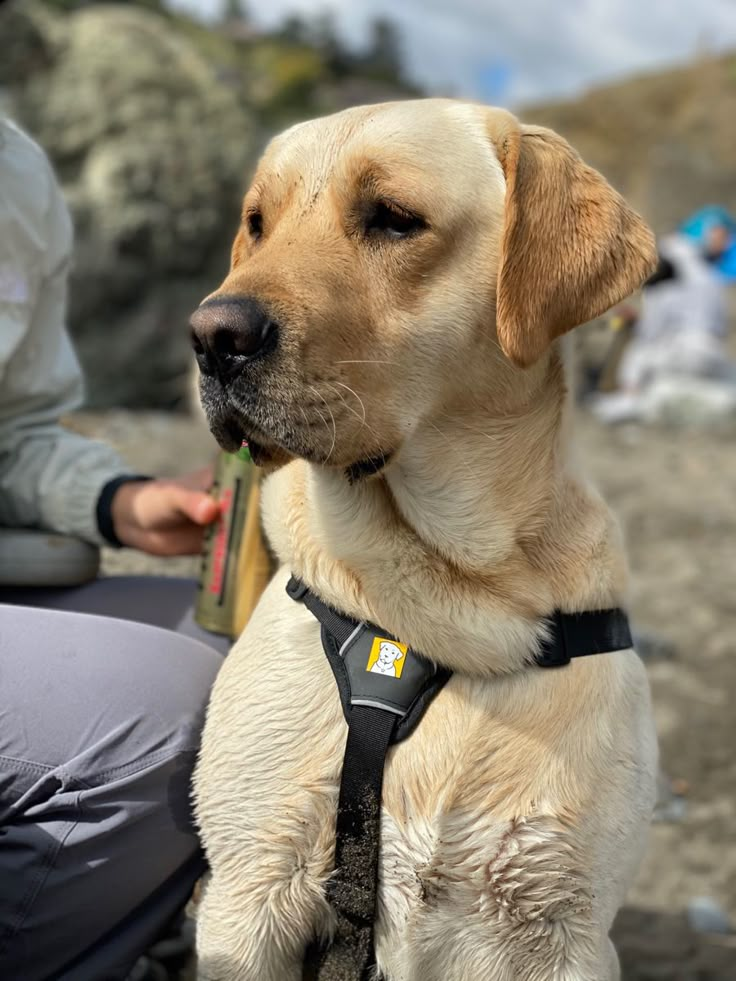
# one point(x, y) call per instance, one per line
point(515, 816)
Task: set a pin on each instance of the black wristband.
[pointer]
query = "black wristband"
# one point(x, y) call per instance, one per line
point(104, 506)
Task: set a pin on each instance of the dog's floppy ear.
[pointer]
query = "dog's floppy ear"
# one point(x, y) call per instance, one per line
point(571, 247)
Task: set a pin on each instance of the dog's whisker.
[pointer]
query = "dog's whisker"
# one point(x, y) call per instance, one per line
point(469, 429)
point(363, 421)
point(306, 421)
point(352, 392)
point(334, 427)
point(323, 419)
point(365, 362)
point(349, 408)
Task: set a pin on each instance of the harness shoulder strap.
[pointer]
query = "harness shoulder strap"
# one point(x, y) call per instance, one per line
point(352, 889)
point(385, 688)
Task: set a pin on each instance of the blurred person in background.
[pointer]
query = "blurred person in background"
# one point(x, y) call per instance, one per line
point(680, 329)
point(100, 708)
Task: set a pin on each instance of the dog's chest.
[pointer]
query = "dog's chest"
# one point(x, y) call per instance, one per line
point(477, 747)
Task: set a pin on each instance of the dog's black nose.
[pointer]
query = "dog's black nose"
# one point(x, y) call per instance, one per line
point(229, 331)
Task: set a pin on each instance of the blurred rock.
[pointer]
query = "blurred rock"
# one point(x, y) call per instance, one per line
point(650, 645)
point(706, 916)
point(152, 151)
point(671, 806)
point(654, 945)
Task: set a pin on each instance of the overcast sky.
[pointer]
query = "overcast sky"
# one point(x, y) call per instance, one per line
point(512, 51)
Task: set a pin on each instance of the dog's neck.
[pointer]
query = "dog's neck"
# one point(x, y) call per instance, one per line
point(481, 513)
point(477, 478)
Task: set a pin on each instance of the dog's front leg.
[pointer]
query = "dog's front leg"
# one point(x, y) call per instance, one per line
point(254, 941)
point(264, 900)
point(266, 789)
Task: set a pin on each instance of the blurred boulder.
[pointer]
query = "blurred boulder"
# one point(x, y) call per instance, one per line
point(705, 915)
point(152, 150)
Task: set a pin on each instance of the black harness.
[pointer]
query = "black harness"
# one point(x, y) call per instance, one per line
point(385, 688)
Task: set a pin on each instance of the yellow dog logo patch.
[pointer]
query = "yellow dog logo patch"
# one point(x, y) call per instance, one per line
point(387, 657)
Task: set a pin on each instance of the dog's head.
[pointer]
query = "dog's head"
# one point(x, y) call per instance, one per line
point(389, 253)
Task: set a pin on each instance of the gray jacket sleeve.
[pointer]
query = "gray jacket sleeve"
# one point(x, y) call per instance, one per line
point(49, 477)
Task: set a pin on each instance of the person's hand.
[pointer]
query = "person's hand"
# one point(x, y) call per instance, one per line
point(165, 517)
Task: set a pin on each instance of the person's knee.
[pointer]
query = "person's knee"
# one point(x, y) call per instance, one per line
point(110, 696)
point(109, 718)
point(175, 677)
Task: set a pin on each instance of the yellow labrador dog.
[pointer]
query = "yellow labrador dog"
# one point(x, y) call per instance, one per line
point(390, 325)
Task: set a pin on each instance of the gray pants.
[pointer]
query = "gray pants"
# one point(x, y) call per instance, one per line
point(161, 601)
point(99, 726)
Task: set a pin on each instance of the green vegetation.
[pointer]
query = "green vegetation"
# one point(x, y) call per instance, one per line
point(300, 68)
point(158, 5)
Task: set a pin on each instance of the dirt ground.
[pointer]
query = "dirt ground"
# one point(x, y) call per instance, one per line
point(675, 492)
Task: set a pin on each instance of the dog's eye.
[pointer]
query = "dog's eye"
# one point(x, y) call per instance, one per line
point(254, 221)
point(390, 221)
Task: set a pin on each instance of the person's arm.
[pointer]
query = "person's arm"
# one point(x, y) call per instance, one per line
point(49, 477)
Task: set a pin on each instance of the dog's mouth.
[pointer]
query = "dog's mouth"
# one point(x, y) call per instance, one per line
point(231, 432)
point(367, 468)
point(275, 440)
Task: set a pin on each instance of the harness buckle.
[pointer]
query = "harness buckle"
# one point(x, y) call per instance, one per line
point(296, 589)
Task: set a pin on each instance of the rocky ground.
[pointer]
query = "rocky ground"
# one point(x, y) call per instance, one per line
point(675, 494)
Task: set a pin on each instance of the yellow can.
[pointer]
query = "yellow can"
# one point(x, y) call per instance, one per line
point(218, 580)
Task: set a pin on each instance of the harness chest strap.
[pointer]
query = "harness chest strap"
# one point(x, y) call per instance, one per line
point(385, 688)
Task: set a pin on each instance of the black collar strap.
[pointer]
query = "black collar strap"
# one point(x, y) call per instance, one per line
point(581, 634)
point(385, 688)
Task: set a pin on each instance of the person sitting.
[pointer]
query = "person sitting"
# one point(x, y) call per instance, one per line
point(680, 329)
point(103, 687)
